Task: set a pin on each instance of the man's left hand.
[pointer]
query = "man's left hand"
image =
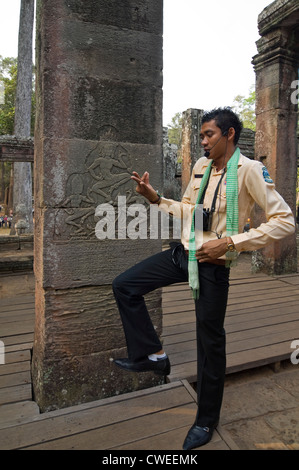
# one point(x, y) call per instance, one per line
point(211, 250)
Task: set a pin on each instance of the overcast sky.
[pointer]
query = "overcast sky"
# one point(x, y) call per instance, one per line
point(208, 49)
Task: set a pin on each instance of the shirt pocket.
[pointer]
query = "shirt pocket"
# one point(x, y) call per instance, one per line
point(221, 202)
point(195, 185)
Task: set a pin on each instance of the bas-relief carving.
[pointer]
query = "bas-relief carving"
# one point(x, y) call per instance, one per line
point(107, 175)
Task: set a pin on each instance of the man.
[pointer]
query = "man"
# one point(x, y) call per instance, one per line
point(226, 185)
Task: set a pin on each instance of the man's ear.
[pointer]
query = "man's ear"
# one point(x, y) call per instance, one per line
point(231, 134)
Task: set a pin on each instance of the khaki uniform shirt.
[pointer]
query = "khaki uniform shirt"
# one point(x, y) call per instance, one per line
point(254, 185)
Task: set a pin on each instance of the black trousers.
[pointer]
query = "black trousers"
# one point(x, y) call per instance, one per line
point(163, 269)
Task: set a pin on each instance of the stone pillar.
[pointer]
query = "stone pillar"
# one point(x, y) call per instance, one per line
point(191, 147)
point(171, 178)
point(246, 143)
point(99, 116)
point(276, 67)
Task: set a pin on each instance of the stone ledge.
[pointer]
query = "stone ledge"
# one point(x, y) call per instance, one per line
point(276, 14)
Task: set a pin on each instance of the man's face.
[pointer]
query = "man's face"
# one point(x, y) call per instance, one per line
point(212, 139)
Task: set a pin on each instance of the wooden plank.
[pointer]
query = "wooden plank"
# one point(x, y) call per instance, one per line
point(11, 380)
point(14, 414)
point(172, 333)
point(293, 280)
point(15, 394)
point(12, 309)
point(259, 302)
point(17, 301)
point(186, 371)
point(9, 317)
point(280, 294)
point(265, 312)
point(17, 356)
point(264, 331)
point(234, 290)
point(132, 432)
point(253, 328)
point(173, 440)
point(258, 357)
point(70, 421)
point(236, 362)
point(245, 341)
point(15, 368)
point(18, 343)
point(16, 328)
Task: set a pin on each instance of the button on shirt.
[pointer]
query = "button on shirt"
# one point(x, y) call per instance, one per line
point(254, 185)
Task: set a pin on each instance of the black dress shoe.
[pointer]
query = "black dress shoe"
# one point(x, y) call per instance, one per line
point(160, 367)
point(197, 436)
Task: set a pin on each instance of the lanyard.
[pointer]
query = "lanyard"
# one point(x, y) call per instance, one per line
point(216, 191)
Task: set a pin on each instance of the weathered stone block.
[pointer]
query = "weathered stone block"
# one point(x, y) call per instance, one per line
point(137, 15)
point(84, 174)
point(108, 53)
point(73, 263)
point(75, 346)
point(86, 104)
point(83, 379)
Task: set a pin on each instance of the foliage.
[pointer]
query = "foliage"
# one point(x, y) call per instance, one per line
point(175, 132)
point(245, 108)
point(8, 79)
point(175, 129)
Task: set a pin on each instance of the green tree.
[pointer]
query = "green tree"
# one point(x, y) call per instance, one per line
point(245, 108)
point(175, 132)
point(175, 129)
point(8, 80)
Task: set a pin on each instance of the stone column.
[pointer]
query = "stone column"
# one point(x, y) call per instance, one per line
point(99, 116)
point(191, 148)
point(276, 67)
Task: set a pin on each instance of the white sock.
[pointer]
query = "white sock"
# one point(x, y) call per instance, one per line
point(155, 357)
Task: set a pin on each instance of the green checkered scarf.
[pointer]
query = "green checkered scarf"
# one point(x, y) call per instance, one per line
point(232, 218)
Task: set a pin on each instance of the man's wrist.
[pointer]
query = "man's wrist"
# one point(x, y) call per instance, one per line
point(230, 244)
point(157, 200)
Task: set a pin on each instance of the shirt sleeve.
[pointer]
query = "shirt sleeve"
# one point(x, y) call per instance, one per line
point(280, 220)
point(178, 208)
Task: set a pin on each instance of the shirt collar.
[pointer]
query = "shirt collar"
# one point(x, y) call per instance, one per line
point(207, 161)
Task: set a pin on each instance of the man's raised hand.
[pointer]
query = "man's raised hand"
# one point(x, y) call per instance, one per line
point(144, 187)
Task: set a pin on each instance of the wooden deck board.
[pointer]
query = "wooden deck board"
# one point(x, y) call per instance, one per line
point(151, 419)
point(157, 418)
point(261, 322)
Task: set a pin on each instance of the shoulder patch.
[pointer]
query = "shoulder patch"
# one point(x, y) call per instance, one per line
point(266, 175)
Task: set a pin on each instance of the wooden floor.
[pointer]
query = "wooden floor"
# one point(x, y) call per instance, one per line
point(261, 322)
point(262, 319)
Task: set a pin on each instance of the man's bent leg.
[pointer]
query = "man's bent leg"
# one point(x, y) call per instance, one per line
point(129, 289)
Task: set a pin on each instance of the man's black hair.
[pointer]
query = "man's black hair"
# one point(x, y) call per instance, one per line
point(225, 118)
